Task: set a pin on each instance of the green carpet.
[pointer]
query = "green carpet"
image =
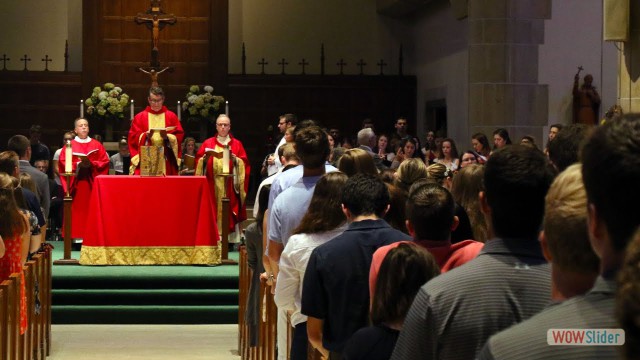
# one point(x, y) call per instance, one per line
point(144, 294)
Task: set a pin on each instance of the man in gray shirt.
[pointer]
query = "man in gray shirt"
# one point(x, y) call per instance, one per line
point(611, 174)
point(453, 314)
point(21, 145)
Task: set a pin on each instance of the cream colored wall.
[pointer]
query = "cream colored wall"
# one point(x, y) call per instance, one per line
point(567, 47)
point(34, 28)
point(294, 29)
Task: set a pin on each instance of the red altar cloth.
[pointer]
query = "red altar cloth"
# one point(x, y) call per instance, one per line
point(137, 220)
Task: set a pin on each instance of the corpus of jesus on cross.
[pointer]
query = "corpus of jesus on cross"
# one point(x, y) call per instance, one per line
point(155, 19)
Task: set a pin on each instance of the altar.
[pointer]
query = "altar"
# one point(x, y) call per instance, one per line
point(137, 220)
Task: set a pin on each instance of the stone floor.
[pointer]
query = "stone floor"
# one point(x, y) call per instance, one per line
point(133, 342)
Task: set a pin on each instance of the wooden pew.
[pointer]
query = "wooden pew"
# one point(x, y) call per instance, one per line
point(243, 291)
point(45, 297)
point(38, 339)
point(8, 324)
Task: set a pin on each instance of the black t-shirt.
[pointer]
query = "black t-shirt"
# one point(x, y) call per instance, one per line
point(371, 343)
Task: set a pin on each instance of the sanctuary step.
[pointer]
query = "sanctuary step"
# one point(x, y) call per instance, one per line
point(144, 294)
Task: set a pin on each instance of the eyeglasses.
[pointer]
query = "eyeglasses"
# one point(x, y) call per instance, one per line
point(155, 101)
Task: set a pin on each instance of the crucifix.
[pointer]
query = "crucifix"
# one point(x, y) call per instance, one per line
point(46, 62)
point(155, 20)
point(262, 63)
point(341, 64)
point(303, 63)
point(25, 59)
point(382, 64)
point(361, 64)
point(153, 74)
point(283, 63)
point(4, 61)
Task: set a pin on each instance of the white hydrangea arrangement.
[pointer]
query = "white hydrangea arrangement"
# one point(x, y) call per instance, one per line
point(202, 104)
point(106, 102)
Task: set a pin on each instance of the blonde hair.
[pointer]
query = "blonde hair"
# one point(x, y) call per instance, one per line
point(438, 172)
point(26, 181)
point(565, 223)
point(467, 184)
point(410, 171)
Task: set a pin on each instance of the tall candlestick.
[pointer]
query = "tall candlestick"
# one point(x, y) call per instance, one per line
point(68, 155)
point(226, 108)
point(81, 108)
point(131, 109)
point(179, 111)
point(225, 160)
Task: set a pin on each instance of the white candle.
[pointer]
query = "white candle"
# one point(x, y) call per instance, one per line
point(226, 108)
point(179, 111)
point(225, 160)
point(131, 109)
point(81, 108)
point(68, 158)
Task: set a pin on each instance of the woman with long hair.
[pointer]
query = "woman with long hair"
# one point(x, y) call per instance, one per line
point(323, 221)
point(449, 154)
point(481, 146)
point(466, 186)
point(16, 234)
point(403, 271)
point(430, 150)
point(382, 149)
point(409, 172)
point(406, 150)
point(468, 157)
point(189, 151)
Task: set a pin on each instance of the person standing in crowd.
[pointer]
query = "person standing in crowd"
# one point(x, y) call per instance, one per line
point(235, 188)
point(15, 232)
point(20, 145)
point(563, 150)
point(156, 116)
point(286, 121)
point(189, 152)
point(610, 173)
point(501, 138)
point(468, 158)
point(39, 151)
point(402, 272)
point(89, 160)
point(480, 145)
point(322, 222)
point(449, 154)
point(454, 314)
point(382, 150)
point(335, 294)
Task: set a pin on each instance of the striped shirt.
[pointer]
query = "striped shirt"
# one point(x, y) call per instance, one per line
point(455, 313)
point(528, 340)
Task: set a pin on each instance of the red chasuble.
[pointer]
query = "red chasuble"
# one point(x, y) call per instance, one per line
point(236, 187)
point(81, 182)
point(138, 137)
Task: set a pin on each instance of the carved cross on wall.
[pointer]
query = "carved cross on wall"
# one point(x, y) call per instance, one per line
point(25, 59)
point(361, 64)
point(4, 61)
point(283, 63)
point(341, 63)
point(381, 64)
point(262, 63)
point(303, 63)
point(46, 62)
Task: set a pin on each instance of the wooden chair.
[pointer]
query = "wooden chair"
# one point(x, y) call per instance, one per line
point(27, 338)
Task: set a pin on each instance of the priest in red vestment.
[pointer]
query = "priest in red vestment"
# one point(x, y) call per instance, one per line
point(236, 186)
point(89, 159)
point(156, 116)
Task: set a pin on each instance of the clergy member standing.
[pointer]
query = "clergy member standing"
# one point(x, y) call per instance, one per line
point(238, 164)
point(156, 116)
point(88, 160)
